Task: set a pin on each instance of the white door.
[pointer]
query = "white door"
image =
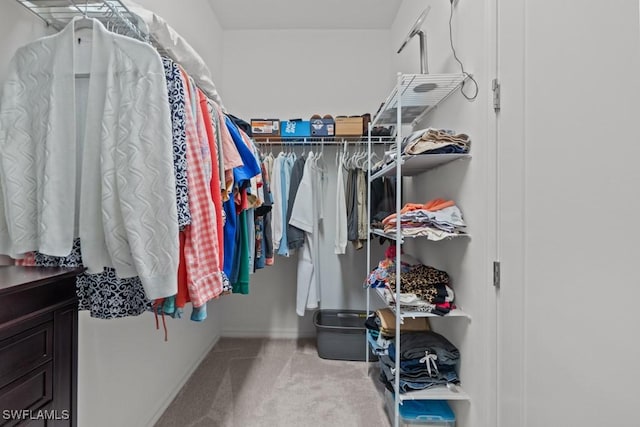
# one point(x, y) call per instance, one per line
point(568, 203)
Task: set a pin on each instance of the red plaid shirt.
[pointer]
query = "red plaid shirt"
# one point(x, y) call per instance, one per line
point(204, 279)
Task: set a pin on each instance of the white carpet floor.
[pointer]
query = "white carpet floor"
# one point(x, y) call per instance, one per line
point(277, 383)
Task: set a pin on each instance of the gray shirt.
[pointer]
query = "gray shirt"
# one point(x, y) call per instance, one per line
point(295, 236)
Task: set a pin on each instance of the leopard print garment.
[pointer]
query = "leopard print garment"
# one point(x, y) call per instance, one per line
point(426, 282)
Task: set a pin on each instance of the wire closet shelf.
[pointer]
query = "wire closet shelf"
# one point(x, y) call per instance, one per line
point(112, 13)
point(417, 94)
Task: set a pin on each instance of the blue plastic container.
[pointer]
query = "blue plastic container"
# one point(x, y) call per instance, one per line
point(422, 413)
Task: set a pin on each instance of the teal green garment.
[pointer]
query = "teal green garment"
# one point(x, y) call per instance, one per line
point(199, 314)
point(169, 308)
point(169, 305)
point(241, 286)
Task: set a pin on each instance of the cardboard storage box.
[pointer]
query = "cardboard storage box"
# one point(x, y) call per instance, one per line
point(295, 129)
point(341, 335)
point(265, 128)
point(349, 126)
point(323, 127)
point(421, 413)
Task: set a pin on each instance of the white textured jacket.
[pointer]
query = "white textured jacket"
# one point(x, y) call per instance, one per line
point(96, 164)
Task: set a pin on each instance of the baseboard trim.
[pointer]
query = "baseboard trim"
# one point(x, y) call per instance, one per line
point(270, 333)
point(174, 392)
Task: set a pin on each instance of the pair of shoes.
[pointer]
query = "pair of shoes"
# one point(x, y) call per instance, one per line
point(318, 116)
point(380, 131)
point(320, 127)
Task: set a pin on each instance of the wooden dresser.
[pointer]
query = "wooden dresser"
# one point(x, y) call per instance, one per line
point(38, 346)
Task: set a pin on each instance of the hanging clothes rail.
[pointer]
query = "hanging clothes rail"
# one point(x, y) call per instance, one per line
point(132, 20)
point(112, 13)
point(325, 141)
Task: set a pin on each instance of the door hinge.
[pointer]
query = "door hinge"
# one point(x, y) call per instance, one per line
point(496, 274)
point(495, 85)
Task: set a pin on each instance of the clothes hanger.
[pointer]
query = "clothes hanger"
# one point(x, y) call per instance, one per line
point(352, 159)
point(84, 22)
point(318, 153)
point(347, 158)
point(112, 20)
point(364, 163)
point(355, 159)
point(358, 160)
point(364, 159)
point(320, 163)
point(374, 158)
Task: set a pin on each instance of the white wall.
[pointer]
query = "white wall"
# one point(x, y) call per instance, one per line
point(466, 182)
point(296, 73)
point(290, 74)
point(572, 267)
point(127, 373)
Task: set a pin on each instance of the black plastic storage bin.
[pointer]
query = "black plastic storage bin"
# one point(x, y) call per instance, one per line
point(341, 335)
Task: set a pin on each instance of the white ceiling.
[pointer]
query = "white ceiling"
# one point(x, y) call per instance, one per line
point(305, 14)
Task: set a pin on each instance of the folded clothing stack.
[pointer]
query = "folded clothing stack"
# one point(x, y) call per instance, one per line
point(436, 141)
point(427, 359)
point(423, 288)
point(431, 141)
point(381, 326)
point(437, 219)
point(383, 323)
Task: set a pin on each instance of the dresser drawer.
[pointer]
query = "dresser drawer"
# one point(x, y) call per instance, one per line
point(38, 347)
point(25, 351)
point(24, 304)
point(31, 391)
